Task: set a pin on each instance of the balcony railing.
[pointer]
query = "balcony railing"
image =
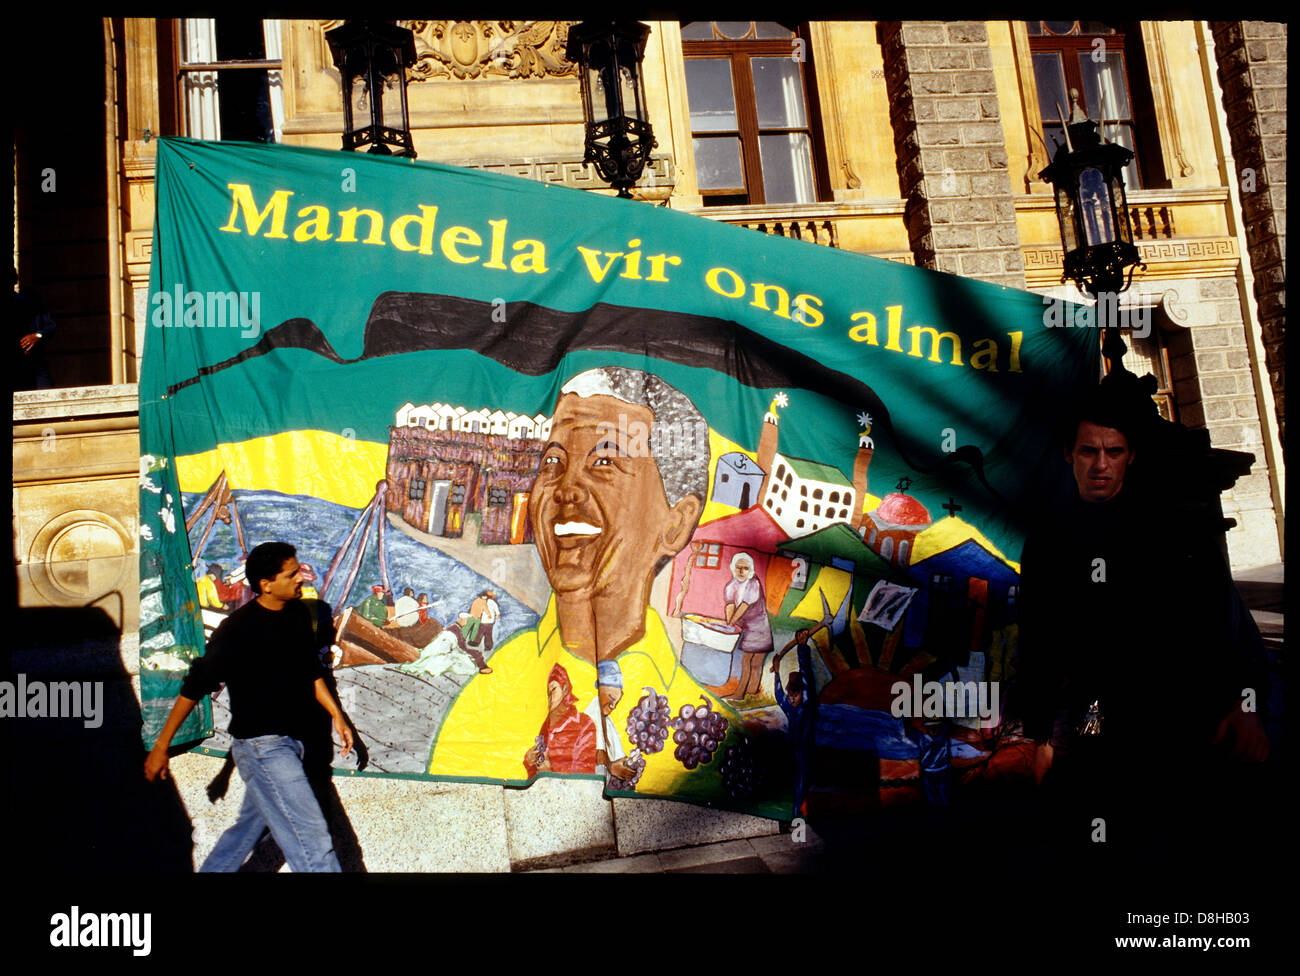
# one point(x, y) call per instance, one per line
point(867, 227)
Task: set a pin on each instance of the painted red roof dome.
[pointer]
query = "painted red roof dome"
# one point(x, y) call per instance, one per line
point(902, 509)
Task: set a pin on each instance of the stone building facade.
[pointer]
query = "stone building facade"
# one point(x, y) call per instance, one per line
point(1252, 71)
point(923, 141)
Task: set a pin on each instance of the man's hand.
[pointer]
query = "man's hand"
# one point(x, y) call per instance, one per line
point(621, 769)
point(28, 342)
point(1042, 762)
point(155, 764)
point(345, 734)
point(1249, 740)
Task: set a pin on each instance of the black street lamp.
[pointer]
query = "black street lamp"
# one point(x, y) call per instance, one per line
point(372, 56)
point(1087, 175)
point(619, 137)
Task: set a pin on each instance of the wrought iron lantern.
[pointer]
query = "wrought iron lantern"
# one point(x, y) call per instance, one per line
point(372, 56)
point(1087, 174)
point(619, 137)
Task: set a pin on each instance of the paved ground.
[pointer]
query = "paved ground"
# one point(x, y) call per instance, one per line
point(777, 854)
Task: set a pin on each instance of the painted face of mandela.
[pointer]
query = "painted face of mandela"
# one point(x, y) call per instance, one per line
point(600, 517)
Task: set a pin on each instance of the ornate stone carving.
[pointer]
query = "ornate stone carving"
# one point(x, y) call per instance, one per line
point(570, 172)
point(78, 556)
point(464, 49)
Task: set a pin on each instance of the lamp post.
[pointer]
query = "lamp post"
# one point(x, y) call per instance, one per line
point(1087, 175)
point(372, 56)
point(619, 137)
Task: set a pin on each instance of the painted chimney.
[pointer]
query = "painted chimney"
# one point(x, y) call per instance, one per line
point(767, 441)
point(861, 463)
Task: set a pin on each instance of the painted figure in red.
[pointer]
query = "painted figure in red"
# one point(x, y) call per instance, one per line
point(567, 740)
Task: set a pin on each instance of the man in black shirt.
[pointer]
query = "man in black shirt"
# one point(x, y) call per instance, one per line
point(1139, 666)
point(265, 654)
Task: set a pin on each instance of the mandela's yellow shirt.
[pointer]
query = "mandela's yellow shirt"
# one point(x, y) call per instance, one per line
point(496, 717)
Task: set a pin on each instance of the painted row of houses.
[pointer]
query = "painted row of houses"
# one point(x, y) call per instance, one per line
point(437, 476)
point(446, 416)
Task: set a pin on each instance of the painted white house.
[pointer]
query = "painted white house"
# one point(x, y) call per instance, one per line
point(804, 496)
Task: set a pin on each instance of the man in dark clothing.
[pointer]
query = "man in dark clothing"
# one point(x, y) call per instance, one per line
point(267, 655)
point(799, 702)
point(1137, 656)
point(31, 327)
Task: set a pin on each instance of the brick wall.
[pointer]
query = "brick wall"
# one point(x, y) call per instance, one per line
point(1252, 71)
point(950, 150)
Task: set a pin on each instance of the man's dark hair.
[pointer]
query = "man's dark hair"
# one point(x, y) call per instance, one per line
point(265, 562)
point(1121, 402)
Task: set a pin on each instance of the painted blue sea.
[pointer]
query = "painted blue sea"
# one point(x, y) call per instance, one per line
point(318, 528)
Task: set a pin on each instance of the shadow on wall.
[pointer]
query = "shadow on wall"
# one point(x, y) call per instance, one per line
point(76, 786)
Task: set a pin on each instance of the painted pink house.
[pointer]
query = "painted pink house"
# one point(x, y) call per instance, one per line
point(703, 568)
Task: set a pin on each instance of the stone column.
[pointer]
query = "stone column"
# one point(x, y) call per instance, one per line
point(1252, 71)
point(951, 152)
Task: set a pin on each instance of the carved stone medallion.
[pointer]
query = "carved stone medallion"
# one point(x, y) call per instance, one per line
point(463, 49)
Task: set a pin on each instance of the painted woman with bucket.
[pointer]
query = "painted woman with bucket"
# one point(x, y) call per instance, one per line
point(747, 609)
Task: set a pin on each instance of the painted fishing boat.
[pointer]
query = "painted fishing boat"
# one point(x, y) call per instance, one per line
point(363, 643)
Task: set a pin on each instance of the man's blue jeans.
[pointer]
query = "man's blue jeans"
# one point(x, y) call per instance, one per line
point(276, 796)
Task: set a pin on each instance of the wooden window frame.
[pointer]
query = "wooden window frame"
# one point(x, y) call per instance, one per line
point(739, 53)
point(1142, 115)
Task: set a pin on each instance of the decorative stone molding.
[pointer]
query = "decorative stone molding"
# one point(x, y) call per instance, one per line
point(83, 554)
point(1171, 137)
point(1037, 159)
point(823, 51)
point(139, 246)
point(1186, 314)
point(464, 49)
point(67, 403)
point(1188, 258)
point(569, 172)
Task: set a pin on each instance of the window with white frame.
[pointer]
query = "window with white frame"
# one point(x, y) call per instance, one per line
point(229, 78)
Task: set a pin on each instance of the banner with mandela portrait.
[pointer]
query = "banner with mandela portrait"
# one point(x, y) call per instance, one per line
point(585, 487)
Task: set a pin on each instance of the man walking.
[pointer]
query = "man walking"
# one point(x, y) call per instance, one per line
point(266, 655)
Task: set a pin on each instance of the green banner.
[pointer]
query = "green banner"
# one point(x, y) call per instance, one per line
point(590, 487)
